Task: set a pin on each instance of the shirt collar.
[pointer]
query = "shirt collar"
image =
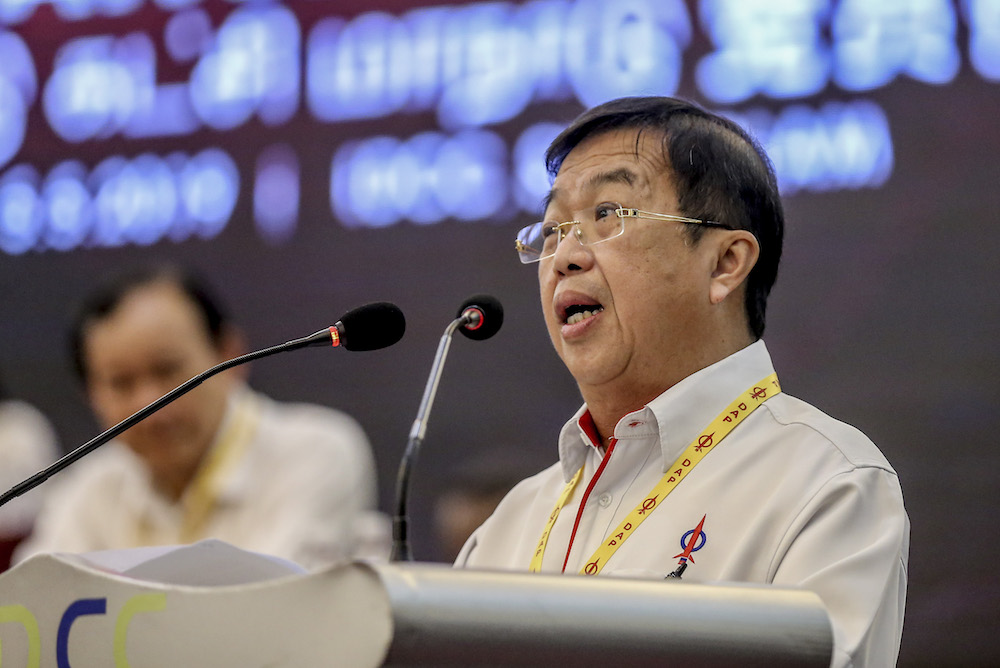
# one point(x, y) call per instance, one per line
point(234, 482)
point(573, 444)
point(230, 484)
point(677, 415)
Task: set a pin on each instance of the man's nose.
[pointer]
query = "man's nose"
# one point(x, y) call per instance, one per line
point(146, 391)
point(570, 254)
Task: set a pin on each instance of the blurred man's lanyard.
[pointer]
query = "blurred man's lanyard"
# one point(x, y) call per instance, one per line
point(745, 404)
point(200, 498)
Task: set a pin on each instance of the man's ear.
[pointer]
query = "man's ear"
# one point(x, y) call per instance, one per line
point(232, 343)
point(737, 254)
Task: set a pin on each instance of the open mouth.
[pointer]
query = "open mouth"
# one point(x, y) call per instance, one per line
point(577, 313)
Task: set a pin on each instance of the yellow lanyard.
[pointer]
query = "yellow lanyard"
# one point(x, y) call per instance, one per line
point(202, 494)
point(746, 403)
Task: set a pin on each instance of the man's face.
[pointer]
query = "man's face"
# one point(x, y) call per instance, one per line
point(155, 340)
point(647, 289)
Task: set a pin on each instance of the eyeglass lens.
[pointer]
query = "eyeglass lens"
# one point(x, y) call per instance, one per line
point(590, 226)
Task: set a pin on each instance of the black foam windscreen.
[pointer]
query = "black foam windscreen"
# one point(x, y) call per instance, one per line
point(490, 317)
point(372, 326)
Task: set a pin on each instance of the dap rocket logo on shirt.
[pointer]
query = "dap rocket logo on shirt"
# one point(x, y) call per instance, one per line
point(691, 541)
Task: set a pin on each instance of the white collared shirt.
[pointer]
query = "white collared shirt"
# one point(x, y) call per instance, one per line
point(303, 488)
point(791, 497)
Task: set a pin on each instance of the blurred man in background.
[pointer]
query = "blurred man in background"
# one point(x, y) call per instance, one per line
point(291, 480)
point(661, 241)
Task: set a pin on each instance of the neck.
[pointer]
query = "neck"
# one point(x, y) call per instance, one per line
point(172, 485)
point(610, 402)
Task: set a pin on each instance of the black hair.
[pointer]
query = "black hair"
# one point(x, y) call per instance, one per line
point(719, 171)
point(105, 299)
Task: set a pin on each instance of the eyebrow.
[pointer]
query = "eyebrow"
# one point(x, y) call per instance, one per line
point(622, 175)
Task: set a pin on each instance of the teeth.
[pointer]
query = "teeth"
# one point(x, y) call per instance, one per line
point(580, 316)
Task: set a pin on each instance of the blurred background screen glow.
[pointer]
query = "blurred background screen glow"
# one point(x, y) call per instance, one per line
point(312, 155)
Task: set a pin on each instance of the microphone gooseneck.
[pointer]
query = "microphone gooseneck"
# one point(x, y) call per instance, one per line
point(369, 327)
point(479, 318)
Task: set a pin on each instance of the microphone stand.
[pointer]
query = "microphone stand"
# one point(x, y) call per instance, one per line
point(401, 550)
point(320, 338)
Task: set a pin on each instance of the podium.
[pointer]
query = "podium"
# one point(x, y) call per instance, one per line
point(214, 605)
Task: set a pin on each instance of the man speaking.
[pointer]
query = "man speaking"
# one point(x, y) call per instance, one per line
point(660, 243)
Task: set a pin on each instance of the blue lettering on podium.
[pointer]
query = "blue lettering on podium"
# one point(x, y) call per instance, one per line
point(78, 608)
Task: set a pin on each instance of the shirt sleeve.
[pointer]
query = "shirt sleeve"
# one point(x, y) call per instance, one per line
point(320, 493)
point(73, 517)
point(849, 544)
point(465, 554)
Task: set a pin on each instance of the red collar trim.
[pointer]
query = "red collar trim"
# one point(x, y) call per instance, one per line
point(586, 423)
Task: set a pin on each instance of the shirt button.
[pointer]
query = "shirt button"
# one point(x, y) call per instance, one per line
point(604, 500)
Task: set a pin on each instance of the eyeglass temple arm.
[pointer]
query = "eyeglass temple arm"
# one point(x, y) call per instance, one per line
point(521, 248)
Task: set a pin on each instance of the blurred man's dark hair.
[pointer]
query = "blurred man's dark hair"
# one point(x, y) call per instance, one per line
point(105, 299)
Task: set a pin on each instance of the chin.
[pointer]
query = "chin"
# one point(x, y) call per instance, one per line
point(156, 463)
point(585, 374)
point(158, 450)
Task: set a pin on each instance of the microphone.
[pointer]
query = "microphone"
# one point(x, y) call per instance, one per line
point(369, 327)
point(479, 318)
